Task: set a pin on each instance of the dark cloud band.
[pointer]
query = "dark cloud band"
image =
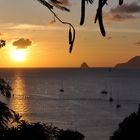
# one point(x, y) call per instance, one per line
point(125, 12)
point(132, 8)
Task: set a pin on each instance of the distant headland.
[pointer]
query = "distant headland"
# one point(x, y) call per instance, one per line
point(133, 63)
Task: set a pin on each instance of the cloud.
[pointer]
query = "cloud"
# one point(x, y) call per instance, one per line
point(125, 12)
point(22, 43)
point(138, 43)
point(34, 27)
point(131, 8)
point(119, 17)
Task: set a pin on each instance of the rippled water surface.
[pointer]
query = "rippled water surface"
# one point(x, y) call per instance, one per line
point(81, 106)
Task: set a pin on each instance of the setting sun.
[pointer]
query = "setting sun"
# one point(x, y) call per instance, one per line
point(18, 55)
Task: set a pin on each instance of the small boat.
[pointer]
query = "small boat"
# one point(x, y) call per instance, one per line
point(111, 98)
point(61, 89)
point(118, 105)
point(104, 92)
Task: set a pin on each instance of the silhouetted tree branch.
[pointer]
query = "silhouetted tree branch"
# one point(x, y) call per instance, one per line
point(50, 4)
point(57, 3)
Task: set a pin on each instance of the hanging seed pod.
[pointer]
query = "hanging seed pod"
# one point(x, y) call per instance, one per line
point(120, 2)
point(70, 35)
point(89, 1)
point(99, 16)
point(96, 18)
point(72, 41)
point(101, 25)
point(82, 12)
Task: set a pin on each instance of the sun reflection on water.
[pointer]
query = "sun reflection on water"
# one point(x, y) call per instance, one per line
point(19, 98)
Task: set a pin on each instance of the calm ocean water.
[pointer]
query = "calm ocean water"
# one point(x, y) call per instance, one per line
point(81, 106)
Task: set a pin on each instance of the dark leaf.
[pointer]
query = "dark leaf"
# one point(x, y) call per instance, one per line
point(120, 2)
point(59, 5)
point(45, 4)
point(6, 115)
point(70, 36)
point(82, 12)
point(101, 22)
point(65, 8)
point(99, 16)
point(56, 1)
point(72, 41)
point(2, 43)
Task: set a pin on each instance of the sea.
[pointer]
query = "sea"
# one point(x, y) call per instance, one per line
point(81, 106)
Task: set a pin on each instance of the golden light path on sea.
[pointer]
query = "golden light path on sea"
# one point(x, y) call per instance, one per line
point(19, 101)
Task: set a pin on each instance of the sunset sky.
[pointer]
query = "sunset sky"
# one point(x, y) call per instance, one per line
point(33, 40)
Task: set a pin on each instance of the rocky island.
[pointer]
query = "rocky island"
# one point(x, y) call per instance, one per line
point(84, 65)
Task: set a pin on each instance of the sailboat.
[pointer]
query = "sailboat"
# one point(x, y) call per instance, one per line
point(104, 91)
point(118, 105)
point(111, 98)
point(61, 89)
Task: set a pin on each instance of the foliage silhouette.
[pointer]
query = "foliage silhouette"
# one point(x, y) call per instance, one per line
point(2, 43)
point(26, 130)
point(129, 128)
point(39, 131)
point(6, 114)
point(59, 4)
point(120, 2)
point(50, 4)
point(99, 16)
point(12, 126)
point(5, 89)
point(70, 135)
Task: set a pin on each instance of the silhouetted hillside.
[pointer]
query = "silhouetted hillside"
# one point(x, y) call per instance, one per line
point(133, 63)
point(129, 128)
